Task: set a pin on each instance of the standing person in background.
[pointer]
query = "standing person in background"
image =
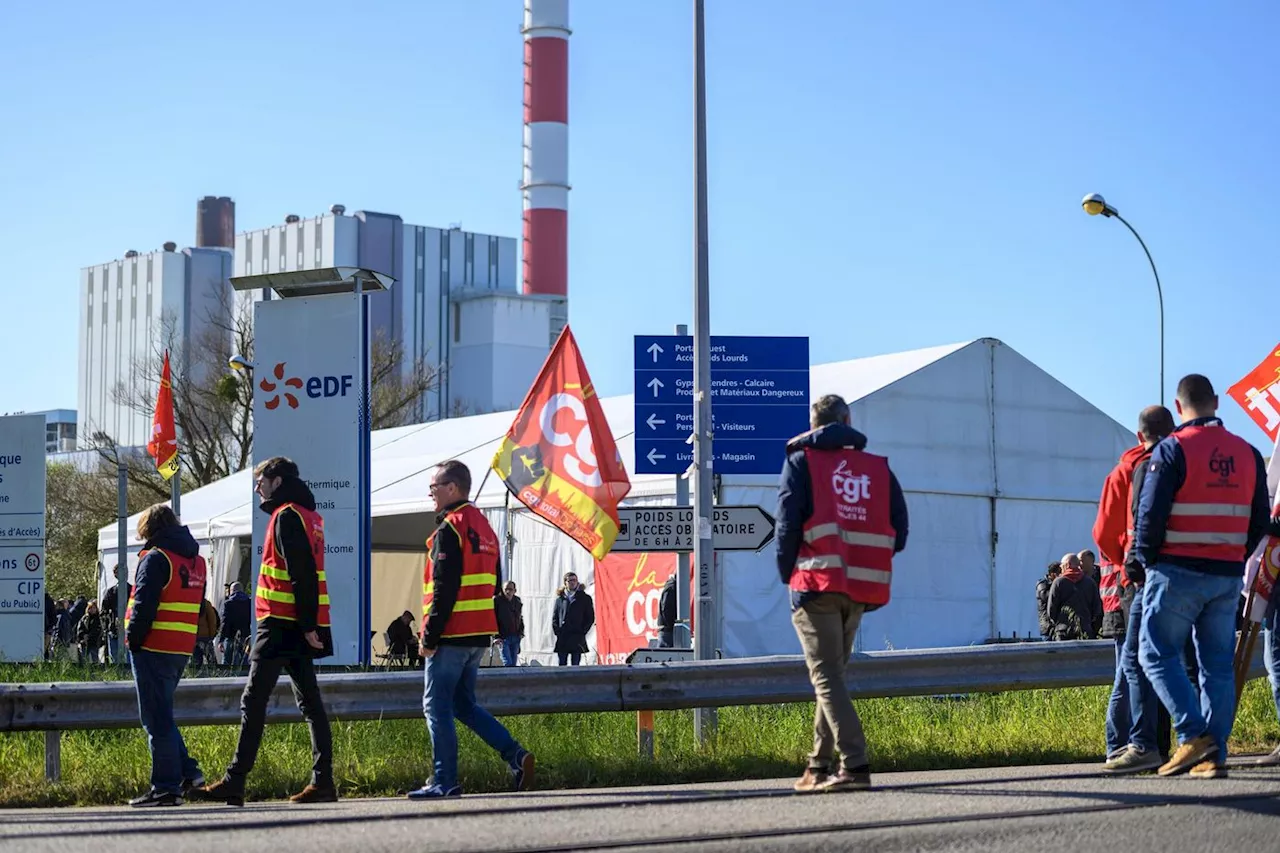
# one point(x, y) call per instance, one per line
point(1042, 598)
point(110, 612)
point(571, 619)
point(1089, 565)
point(160, 631)
point(1203, 508)
point(89, 634)
point(1137, 725)
point(841, 518)
point(459, 583)
point(510, 611)
point(292, 606)
point(1075, 607)
point(236, 624)
point(667, 613)
point(207, 631)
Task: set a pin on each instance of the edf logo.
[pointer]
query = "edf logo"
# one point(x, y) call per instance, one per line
point(315, 386)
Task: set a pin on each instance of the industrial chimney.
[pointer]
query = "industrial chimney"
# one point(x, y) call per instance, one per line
point(216, 222)
point(546, 147)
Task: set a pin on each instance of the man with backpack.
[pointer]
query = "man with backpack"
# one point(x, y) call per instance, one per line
point(1075, 606)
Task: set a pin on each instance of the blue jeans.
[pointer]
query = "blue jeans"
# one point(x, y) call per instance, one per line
point(156, 677)
point(1144, 704)
point(1175, 601)
point(510, 650)
point(449, 693)
point(1118, 719)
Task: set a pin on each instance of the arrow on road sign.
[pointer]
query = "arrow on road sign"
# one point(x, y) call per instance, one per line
point(654, 456)
point(655, 383)
point(653, 421)
point(671, 528)
point(654, 349)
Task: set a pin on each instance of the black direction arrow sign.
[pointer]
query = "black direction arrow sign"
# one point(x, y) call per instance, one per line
point(671, 528)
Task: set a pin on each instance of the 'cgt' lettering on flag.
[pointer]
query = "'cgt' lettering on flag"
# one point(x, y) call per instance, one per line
point(559, 457)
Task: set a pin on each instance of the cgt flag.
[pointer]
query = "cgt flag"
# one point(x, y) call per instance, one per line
point(1259, 393)
point(559, 458)
point(163, 445)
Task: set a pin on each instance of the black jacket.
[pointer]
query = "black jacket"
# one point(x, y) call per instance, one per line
point(237, 617)
point(572, 620)
point(667, 614)
point(107, 607)
point(1075, 608)
point(151, 578)
point(795, 494)
point(446, 581)
point(1042, 606)
point(284, 637)
point(89, 631)
point(510, 616)
point(400, 637)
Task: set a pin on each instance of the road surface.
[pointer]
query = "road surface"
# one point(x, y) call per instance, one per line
point(1010, 810)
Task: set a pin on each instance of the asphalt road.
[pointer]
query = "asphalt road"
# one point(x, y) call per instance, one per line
point(1018, 810)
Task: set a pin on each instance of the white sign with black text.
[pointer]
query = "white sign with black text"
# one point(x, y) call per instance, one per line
point(306, 407)
point(22, 521)
point(670, 528)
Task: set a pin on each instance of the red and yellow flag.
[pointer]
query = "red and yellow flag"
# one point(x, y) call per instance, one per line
point(559, 458)
point(163, 445)
point(1258, 393)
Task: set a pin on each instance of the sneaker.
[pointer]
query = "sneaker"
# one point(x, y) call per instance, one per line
point(221, 791)
point(523, 770)
point(154, 798)
point(188, 785)
point(1272, 759)
point(1209, 770)
point(1133, 760)
point(432, 791)
point(1116, 753)
point(855, 779)
point(812, 780)
point(1189, 754)
point(316, 794)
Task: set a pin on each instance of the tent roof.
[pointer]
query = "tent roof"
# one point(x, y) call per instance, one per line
point(404, 457)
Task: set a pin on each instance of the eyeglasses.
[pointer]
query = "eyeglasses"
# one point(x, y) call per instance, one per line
point(435, 487)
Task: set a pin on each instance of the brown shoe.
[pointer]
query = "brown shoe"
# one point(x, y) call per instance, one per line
point(1189, 754)
point(221, 791)
point(316, 794)
point(1209, 770)
point(856, 779)
point(811, 780)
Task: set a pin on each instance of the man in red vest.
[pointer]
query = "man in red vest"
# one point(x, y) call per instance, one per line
point(460, 580)
point(1202, 509)
point(293, 631)
point(160, 632)
point(841, 517)
point(1137, 724)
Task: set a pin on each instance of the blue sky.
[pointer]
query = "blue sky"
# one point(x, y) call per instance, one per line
point(883, 176)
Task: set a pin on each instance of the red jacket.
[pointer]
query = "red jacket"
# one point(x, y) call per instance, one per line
point(1111, 528)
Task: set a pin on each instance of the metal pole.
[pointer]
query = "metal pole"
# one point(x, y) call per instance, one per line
point(683, 636)
point(364, 510)
point(175, 492)
point(704, 719)
point(1159, 296)
point(122, 552)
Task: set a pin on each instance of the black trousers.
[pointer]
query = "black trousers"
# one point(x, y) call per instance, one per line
point(269, 658)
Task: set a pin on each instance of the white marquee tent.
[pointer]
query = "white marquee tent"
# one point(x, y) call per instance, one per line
point(1001, 464)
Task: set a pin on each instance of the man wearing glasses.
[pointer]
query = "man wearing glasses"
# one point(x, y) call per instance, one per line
point(461, 578)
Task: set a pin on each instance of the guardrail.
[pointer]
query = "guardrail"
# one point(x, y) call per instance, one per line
point(66, 706)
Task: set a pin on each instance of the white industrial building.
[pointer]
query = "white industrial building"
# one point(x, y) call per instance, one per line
point(126, 308)
point(455, 303)
point(1002, 466)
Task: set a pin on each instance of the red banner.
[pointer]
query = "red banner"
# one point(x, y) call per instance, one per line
point(163, 445)
point(1259, 394)
point(628, 587)
point(559, 457)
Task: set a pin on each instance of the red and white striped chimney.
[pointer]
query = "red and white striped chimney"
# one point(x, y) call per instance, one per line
point(546, 147)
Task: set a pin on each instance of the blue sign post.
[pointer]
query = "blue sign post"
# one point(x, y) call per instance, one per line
point(759, 399)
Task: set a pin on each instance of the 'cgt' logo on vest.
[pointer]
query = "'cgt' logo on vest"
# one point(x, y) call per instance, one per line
point(1223, 466)
point(852, 489)
point(316, 386)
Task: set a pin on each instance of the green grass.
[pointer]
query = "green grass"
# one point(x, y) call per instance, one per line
point(592, 750)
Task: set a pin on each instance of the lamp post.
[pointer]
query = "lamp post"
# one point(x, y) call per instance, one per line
point(1094, 204)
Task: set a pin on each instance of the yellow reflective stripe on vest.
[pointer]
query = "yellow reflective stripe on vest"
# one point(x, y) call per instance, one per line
point(275, 595)
point(179, 607)
point(1228, 510)
point(273, 572)
point(823, 561)
point(324, 599)
point(478, 604)
point(849, 537)
point(860, 573)
point(1204, 537)
point(182, 627)
point(479, 579)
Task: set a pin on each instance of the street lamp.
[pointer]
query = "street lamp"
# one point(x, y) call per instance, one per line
point(1094, 204)
point(239, 362)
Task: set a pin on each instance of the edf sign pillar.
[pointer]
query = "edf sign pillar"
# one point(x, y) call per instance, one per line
point(311, 404)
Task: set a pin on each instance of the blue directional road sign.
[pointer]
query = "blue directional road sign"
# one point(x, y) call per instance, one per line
point(759, 399)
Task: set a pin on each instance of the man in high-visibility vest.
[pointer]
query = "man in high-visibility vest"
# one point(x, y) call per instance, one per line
point(841, 518)
point(293, 631)
point(462, 576)
point(160, 632)
point(1202, 509)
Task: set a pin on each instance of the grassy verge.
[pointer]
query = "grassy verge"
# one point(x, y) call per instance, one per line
point(592, 750)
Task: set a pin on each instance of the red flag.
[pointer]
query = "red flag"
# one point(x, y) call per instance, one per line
point(163, 445)
point(1259, 394)
point(559, 458)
